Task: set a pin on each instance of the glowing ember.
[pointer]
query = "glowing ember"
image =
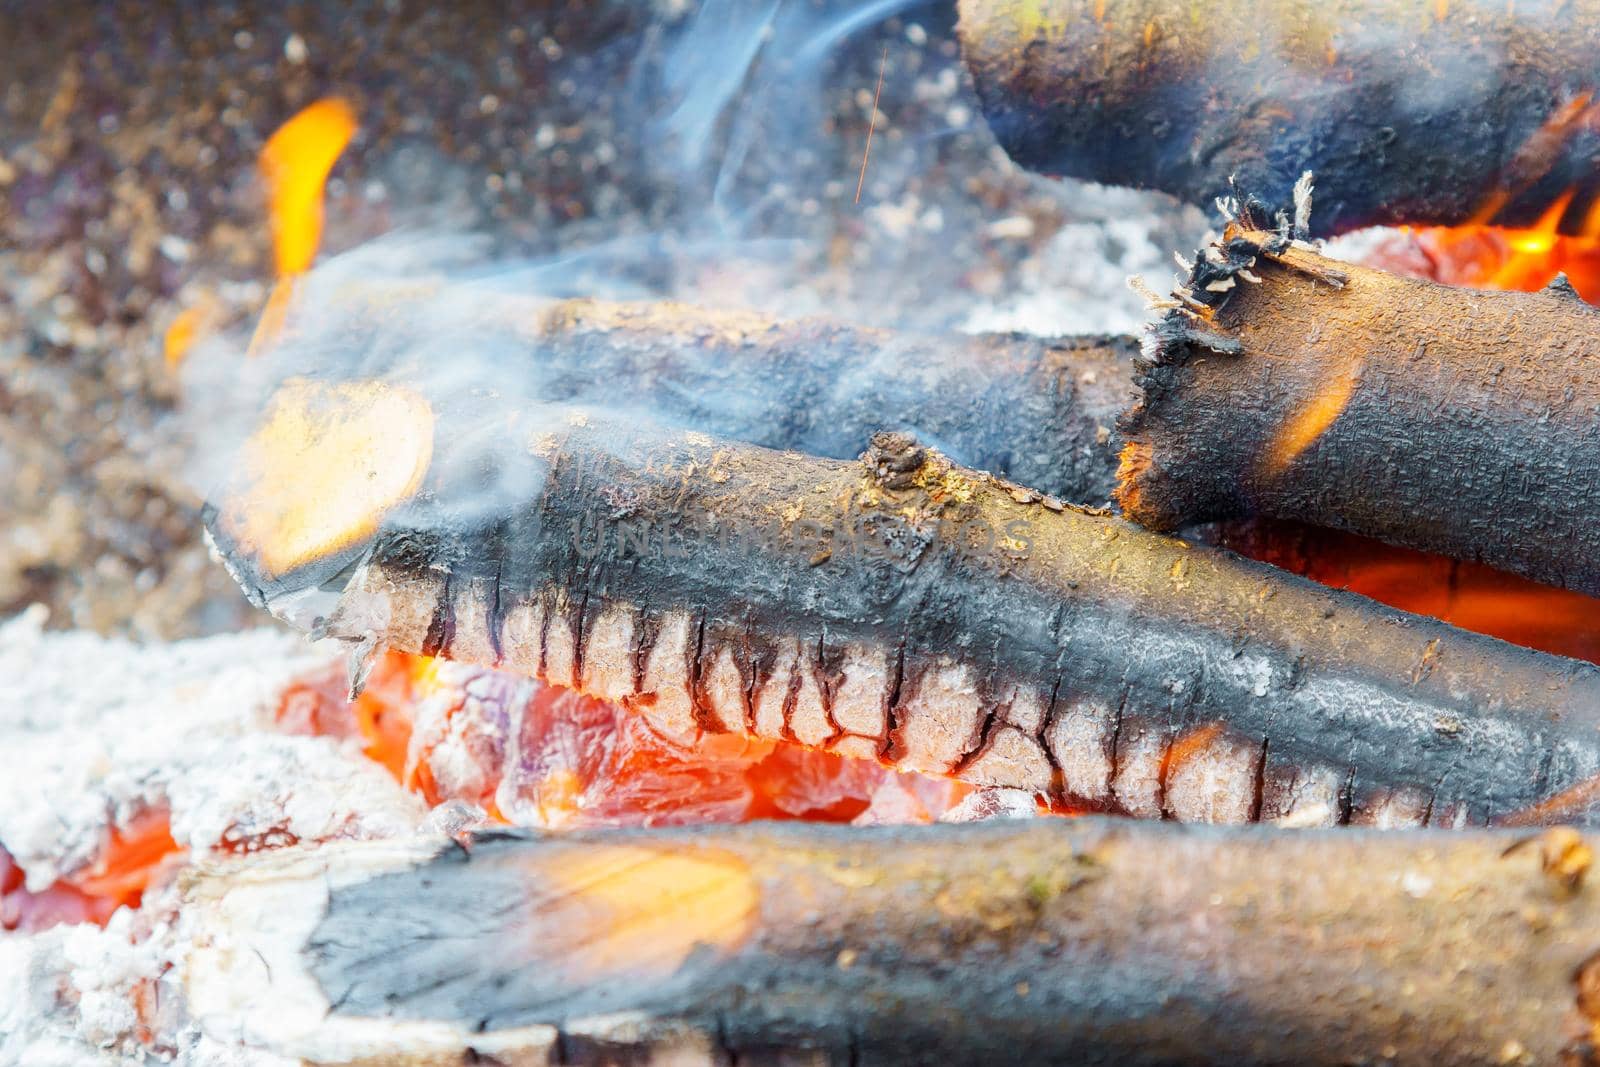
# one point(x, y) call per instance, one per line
point(324, 466)
point(1491, 257)
point(1469, 595)
point(129, 860)
point(295, 164)
point(535, 755)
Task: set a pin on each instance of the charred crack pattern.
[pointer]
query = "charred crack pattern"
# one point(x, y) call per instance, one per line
point(891, 709)
point(704, 716)
point(1058, 776)
point(982, 737)
point(646, 631)
point(1258, 797)
point(750, 680)
point(580, 625)
point(442, 626)
point(791, 696)
point(1346, 799)
point(828, 678)
point(1114, 756)
point(496, 613)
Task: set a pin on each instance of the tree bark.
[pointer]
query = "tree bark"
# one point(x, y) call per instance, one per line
point(1406, 113)
point(1037, 411)
point(1048, 941)
point(938, 618)
point(1454, 421)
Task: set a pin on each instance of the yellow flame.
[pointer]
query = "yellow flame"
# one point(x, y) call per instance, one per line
point(642, 910)
point(295, 164)
point(1308, 424)
point(181, 335)
point(326, 464)
point(1541, 237)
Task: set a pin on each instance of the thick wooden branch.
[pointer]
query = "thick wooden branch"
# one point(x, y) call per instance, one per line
point(1050, 941)
point(1037, 411)
point(1406, 112)
point(906, 609)
point(1455, 421)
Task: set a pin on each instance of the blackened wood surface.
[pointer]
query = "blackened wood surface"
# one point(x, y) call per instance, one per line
point(1406, 112)
point(1456, 421)
point(986, 597)
point(1053, 941)
point(1038, 411)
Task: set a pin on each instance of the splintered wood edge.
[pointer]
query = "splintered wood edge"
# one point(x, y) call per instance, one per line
point(246, 975)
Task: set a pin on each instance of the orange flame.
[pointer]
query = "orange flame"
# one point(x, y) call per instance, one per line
point(1481, 255)
point(586, 763)
point(295, 164)
point(1306, 426)
point(324, 466)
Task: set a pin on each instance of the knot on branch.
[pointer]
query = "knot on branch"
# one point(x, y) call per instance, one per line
point(895, 458)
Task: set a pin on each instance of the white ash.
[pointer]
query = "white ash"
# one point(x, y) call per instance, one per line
point(93, 730)
point(300, 788)
point(68, 998)
point(1076, 281)
point(985, 804)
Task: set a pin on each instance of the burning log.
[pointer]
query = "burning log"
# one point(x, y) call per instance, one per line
point(909, 610)
point(1056, 941)
point(1407, 113)
point(1444, 419)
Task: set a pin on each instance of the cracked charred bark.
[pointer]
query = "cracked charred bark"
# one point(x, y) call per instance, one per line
point(1455, 421)
point(1051, 941)
point(1407, 113)
point(906, 609)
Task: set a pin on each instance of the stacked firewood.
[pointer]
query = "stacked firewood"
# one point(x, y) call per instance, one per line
point(958, 557)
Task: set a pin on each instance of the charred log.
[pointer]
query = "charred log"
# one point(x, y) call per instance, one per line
point(1454, 421)
point(1055, 941)
point(1037, 411)
point(946, 621)
point(1407, 113)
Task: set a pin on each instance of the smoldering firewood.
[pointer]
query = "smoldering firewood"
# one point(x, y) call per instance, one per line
point(937, 618)
point(1455, 421)
point(1407, 113)
point(1037, 411)
point(1051, 941)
